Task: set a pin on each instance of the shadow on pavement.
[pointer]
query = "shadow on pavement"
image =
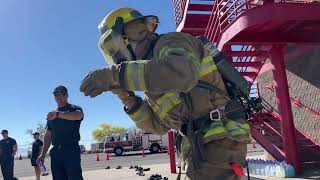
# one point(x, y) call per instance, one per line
point(310, 173)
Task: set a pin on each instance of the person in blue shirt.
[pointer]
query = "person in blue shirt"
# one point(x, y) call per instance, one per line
point(63, 127)
point(8, 149)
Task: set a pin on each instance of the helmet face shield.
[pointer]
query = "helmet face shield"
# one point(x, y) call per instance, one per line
point(113, 48)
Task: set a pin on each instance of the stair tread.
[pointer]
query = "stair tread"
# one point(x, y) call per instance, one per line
point(200, 7)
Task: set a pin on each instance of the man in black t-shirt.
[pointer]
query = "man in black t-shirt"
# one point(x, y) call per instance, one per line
point(36, 149)
point(8, 148)
point(63, 127)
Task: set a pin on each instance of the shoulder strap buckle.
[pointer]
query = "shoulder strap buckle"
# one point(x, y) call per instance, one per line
point(216, 114)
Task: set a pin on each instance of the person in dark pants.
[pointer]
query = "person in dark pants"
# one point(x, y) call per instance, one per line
point(8, 148)
point(36, 149)
point(63, 132)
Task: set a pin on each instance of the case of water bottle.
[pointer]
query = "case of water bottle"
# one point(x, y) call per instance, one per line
point(271, 168)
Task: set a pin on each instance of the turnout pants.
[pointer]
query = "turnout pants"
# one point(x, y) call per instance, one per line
point(218, 155)
point(66, 163)
point(7, 164)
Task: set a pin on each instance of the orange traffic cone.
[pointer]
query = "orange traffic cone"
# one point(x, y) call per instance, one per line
point(98, 157)
point(20, 157)
point(107, 156)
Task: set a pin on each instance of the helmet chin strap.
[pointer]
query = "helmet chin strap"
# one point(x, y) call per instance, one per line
point(119, 28)
point(129, 47)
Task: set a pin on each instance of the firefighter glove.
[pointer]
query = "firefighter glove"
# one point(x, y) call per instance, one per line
point(100, 80)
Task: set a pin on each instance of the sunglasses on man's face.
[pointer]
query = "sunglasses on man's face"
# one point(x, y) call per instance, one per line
point(59, 94)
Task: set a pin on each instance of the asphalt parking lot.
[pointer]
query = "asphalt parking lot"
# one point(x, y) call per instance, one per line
point(23, 167)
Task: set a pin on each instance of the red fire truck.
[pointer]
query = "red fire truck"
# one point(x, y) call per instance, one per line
point(120, 143)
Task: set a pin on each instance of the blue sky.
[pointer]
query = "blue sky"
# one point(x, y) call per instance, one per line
point(45, 43)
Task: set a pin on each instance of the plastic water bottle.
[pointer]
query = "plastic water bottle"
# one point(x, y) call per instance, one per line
point(280, 169)
point(272, 169)
point(252, 166)
point(249, 164)
point(289, 170)
point(257, 166)
point(267, 168)
point(262, 167)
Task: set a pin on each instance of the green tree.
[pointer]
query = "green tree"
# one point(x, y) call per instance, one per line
point(104, 130)
point(41, 129)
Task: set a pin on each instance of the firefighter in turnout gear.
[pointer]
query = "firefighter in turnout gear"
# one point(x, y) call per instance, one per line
point(175, 72)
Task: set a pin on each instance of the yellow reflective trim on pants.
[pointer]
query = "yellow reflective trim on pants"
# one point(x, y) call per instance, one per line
point(207, 66)
point(245, 126)
point(215, 131)
point(236, 129)
point(166, 51)
point(232, 126)
point(238, 132)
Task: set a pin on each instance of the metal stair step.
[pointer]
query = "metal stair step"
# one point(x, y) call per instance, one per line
point(194, 31)
point(247, 53)
point(247, 64)
point(249, 74)
point(196, 21)
point(200, 7)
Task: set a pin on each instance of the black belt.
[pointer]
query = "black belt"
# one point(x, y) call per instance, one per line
point(61, 146)
point(214, 115)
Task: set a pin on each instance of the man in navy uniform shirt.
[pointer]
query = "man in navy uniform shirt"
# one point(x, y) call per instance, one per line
point(8, 148)
point(63, 127)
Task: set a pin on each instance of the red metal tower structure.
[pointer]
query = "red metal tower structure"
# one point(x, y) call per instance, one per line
point(251, 32)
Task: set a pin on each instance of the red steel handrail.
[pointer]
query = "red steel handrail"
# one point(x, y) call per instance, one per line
point(297, 102)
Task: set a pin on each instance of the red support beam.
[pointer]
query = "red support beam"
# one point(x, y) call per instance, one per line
point(172, 152)
point(283, 101)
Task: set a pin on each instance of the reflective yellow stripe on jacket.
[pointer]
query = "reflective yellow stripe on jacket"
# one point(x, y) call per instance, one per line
point(207, 66)
point(135, 75)
point(142, 115)
point(169, 100)
point(165, 103)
